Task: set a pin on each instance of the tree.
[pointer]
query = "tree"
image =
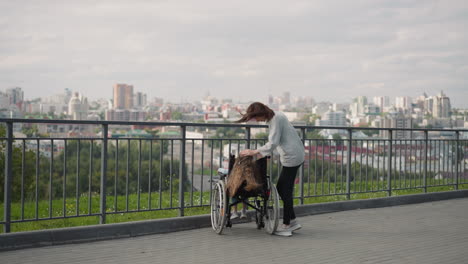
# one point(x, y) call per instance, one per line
point(338, 140)
point(261, 135)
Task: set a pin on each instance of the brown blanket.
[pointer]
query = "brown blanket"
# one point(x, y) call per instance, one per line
point(244, 172)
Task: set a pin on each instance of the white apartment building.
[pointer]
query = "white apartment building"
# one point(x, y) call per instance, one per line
point(332, 118)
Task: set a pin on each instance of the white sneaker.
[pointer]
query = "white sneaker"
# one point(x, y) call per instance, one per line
point(234, 215)
point(284, 230)
point(243, 214)
point(294, 225)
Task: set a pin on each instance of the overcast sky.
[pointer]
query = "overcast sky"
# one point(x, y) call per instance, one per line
point(245, 50)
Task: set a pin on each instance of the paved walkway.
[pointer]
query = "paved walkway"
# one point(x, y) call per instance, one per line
point(422, 233)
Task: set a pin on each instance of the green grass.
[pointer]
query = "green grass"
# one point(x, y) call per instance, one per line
point(320, 192)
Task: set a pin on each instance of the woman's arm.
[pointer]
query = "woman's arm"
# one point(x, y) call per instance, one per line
point(274, 137)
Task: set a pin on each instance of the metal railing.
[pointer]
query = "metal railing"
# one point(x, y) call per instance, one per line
point(48, 178)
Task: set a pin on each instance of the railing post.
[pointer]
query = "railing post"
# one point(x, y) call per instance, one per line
point(457, 153)
point(348, 165)
point(426, 145)
point(8, 177)
point(301, 171)
point(389, 171)
point(247, 135)
point(182, 170)
point(102, 219)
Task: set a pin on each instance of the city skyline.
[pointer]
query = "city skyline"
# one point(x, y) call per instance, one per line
point(332, 51)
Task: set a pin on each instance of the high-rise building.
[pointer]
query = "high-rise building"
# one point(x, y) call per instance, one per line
point(123, 96)
point(396, 120)
point(441, 107)
point(139, 100)
point(403, 102)
point(332, 118)
point(358, 106)
point(16, 95)
point(78, 107)
point(381, 101)
point(428, 105)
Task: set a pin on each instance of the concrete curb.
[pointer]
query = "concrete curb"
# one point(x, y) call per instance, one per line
point(48, 237)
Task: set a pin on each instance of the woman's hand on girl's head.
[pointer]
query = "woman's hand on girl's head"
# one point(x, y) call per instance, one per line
point(248, 152)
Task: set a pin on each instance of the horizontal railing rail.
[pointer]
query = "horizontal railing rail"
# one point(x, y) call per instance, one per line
point(52, 177)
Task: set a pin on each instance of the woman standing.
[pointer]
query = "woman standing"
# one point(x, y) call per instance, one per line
point(282, 137)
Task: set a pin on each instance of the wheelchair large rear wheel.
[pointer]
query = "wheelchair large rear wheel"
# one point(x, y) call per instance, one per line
point(271, 217)
point(219, 204)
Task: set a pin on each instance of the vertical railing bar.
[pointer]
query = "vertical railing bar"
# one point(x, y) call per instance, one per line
point(420, 164)
point(102, 219)
point(384, 168)
point(457, 175)
point(301, 172)
point(51, 171)
point(329, 165)
point(90, 176)
point(378, 166)
point(342, 165)
point(360, 165)
point(171, 171)
point(454, 162)
point(77, 180)
point(410, 146)
point(139, 175)
point(202, 169)
point(182, 171)
point(323, 166)
point(355, 162)
point(367, 165)
point(394, 160)
point(373, 169)
point(221, 156)
point(389, 168)
point(64, 191)
point(308, 167)
point(192, 173)
point(438, 144)
point(211, 167)
point(419, 174)
point(37, 180)
point(348, 169)
point(413, 165)
point(248, 135)
point(431, 162)
point(161, 165)
point(404, 165)
point(399, 164)
point(127, 175)
point(416, 160)
point(8, 178)
point(426, 140)
point(116, 173)
point(315, 160)
point(150, 167)
point(23, 161)
point(336, 169)
point(445, 156)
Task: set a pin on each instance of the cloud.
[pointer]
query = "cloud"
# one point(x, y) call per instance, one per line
point(332, 50)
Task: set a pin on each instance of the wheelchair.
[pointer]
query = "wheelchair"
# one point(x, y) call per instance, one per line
point(265, 201)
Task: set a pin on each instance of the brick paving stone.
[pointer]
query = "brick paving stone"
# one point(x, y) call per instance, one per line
point(432, 232)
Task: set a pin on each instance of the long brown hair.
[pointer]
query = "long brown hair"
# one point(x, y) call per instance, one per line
point(257, 109)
